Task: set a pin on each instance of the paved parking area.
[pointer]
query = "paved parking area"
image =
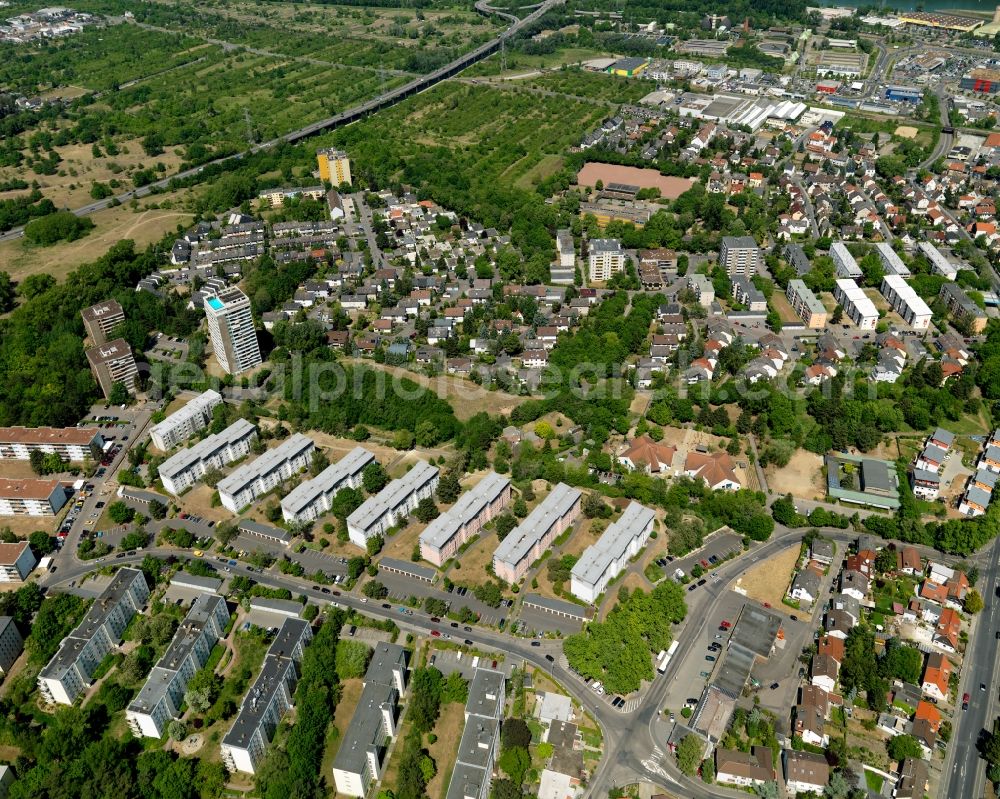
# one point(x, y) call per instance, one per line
point(402, 587)
point(719, 546)
point(311, 560)
point(450, 661)
point(539, 621)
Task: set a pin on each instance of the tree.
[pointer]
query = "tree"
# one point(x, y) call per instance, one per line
point(119, 394)
point(60, 226)
point(319, 462)
point(7, 293)
point(901, 746)
point(352, 659)
point(345, 502)
point(157, 510)
point(504, 524)
point(374, 478)
point(885, 561)
point(838, 315)
point(425, 698)
point(689, 752)
point(448, 488)
point(426, 510)
point(515, 732)
point(456, 689)
point(176, 730)
point(374, 544)
point(41, 542)
point(373, 589)
point(973, 602)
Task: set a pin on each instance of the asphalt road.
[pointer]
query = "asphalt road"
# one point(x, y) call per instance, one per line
point(964, 771)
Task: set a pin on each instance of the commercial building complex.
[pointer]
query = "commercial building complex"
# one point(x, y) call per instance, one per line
point(605, 259)
point(69, 443)
point(334, 166)
point(161, 697)
point(113, 362)
point(68, 673)
point(464, 519)
point(16, 562)
point(313, 498)
point(526, 542)
point(267, 700)
point(31, 497)
point(477, 751)
point(806, 304)
point(99, 320)
point(266, 472)
point(392, 504)
point(601, 562)
point(185, 468)
point(187, 421)
point(740, 255)
point(906, 302)
point(856, 303)
point(359, 759)
point(231, 328)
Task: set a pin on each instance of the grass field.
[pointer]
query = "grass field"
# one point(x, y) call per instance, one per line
point(443, 751)
point(768, 581)
point(350, 694)
point(112, 225)
point(802, 477)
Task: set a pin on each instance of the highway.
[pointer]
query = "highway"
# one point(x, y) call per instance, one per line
point(346, 117)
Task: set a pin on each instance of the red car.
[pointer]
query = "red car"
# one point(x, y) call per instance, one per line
point(725, 624)
point(965, 701)
point(435, 633)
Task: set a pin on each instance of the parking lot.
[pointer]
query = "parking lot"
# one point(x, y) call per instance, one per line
point(310, 560)
point(402, 587)
point(719, 547)
point(536, 620)
point(450, 661)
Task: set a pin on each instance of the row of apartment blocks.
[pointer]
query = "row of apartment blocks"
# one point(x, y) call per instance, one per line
point(162, 696)
point(69, 443)
point(478, 506)
point(979, 490)
point(268, 699)
point(31, 497)
point(856, 304)
point(359, 759)
point(601, 562)
point(313, 498)
point(392, 504)
point(68, 674)
point(472, 775)
point(187, 466)
point(526, 542)
point(249, 482)
point(194, 417)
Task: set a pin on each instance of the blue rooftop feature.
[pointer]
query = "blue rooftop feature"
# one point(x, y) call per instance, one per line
point(216, 303)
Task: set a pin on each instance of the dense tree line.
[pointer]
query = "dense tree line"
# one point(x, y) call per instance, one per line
point(618, 650)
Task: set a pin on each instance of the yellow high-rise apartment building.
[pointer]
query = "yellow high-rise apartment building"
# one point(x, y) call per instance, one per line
point(334, 166)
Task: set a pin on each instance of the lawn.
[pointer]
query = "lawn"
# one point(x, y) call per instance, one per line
point(874, 781)
point(350, 694)
point(443, 751)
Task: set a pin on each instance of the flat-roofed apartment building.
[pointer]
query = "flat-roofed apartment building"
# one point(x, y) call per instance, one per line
point(962, 308)
point(313, 498)
point(526, 542)
point(856, 304)
point(11, 643)
point(268, 471)
point(892, 264)
point(69, 443)
point(186, 467)
point(605, 259)
point(359, 759)
point(843, 262)
point(443, 536)
point(99, 320)
point(185, 422)
point(67, 675)
point(740, 256)
point(392, 504)
point(806, 304)
point(472, 775)
point(231, 328)
point(16, 562)
point(906, 302)
point(112, 362)
point(601, 562)
point(31, 497)
point(162, 695)
point(268, 699)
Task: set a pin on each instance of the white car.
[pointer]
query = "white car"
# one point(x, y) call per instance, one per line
point(364, 599)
